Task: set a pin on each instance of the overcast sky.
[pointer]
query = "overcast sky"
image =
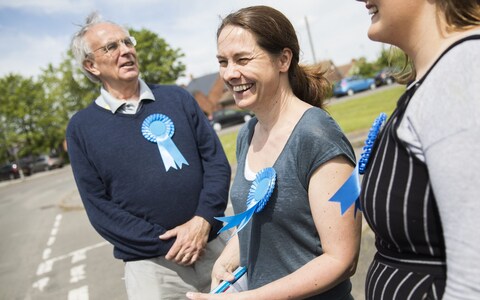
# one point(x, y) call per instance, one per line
point(35, 33)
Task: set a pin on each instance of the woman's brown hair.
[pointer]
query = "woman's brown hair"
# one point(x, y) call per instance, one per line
point(273, 33)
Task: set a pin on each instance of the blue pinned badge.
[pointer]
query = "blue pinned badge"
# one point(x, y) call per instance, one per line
point(159, 129)
point(349, 192)
point(260, 191)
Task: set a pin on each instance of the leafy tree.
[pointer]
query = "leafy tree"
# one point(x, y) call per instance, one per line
point(390, 57)
point(22, 112)
point(159, 63)
point(68, 87)
point(364, 68)
point(67, 90)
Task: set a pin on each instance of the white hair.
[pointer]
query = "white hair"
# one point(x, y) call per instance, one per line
point(81, 49)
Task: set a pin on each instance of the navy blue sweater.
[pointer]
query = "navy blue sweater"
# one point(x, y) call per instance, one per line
point(129, 197)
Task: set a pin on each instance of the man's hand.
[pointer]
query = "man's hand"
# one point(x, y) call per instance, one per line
point(191, 240)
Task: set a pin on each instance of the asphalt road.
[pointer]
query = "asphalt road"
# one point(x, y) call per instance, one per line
point(49, 249)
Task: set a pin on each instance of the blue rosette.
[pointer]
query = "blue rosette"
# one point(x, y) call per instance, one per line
point(372, 136)
point(159, 129)
point(349, 193)
point(260, 191)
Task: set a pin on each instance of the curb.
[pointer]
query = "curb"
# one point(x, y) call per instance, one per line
point(71, 201)
point(357, 138)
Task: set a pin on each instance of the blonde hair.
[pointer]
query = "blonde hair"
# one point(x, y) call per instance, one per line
point(460, 15)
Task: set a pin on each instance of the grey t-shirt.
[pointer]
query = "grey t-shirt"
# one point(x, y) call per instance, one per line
point(282, 237)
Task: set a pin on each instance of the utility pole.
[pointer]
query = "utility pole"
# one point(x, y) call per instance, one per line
point(310, 40)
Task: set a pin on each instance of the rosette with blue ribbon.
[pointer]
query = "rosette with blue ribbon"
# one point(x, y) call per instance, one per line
point(372, 136)
point(260, 191)
point(349, 192)
point(159, 129)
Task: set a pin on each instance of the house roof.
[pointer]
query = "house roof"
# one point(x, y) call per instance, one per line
point(202, 84)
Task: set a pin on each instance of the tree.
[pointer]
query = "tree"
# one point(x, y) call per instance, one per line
point(68, 87)
point(159, 63)
point(364, 68)
point(22, 112)
point(392, 57)
point(68, 91)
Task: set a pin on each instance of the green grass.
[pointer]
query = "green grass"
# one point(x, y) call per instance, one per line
point(353, 115)
point(358, 114)
point(229, 143)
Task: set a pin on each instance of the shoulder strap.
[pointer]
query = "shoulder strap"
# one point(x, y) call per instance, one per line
point(456, 43)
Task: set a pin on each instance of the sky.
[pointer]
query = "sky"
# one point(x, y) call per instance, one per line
point(37, 33)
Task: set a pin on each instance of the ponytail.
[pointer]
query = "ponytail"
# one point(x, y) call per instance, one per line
point(310, 84)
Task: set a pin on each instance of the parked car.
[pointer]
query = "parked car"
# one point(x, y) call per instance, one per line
point(26, 165)
point(384, 77)
point(9, 171)
point(45, 163)
point(352, 85)
point(229, 117)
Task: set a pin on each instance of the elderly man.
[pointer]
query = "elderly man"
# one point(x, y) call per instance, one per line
point(150, 170)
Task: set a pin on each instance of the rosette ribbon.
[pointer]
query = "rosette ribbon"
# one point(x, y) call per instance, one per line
point(159, 129)
point(260, 191)
point(349, 193)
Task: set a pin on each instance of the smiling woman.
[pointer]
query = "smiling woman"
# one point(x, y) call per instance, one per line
point(293, 138)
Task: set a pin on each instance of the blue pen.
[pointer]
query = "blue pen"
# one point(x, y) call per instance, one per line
point(224, 285)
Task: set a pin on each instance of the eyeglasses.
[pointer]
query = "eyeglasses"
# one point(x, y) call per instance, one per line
point(111, 47)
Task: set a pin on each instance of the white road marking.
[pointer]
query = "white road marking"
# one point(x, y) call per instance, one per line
point(44, 267)
point(79, 255)
point(46, 253)
point(54, 232)
point(77, 273)
point(58, 218)
point(78, 294)
point(51, 241)
point(41, 283)
point(47, 265)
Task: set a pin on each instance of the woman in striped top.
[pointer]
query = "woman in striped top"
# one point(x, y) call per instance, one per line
point(421, 188)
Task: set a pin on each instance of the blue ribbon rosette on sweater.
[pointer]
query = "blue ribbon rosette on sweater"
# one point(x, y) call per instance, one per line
point(349, 192)
point(260, 191)
point(159, 129)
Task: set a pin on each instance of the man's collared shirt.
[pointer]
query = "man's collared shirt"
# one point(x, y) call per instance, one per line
point(107, 101)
